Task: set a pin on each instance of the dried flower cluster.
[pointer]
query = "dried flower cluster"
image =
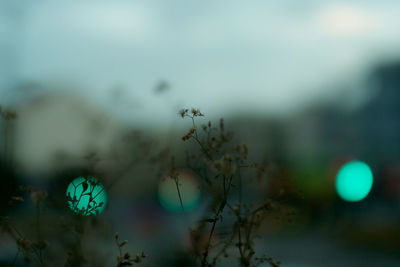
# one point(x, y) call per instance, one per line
point(192, 113)
point(125, 259)
point(31, 250)
point(220, 165)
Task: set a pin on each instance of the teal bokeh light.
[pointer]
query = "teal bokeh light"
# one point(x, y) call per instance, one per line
point(354, 181)
point(86, 196)
point(188, 188)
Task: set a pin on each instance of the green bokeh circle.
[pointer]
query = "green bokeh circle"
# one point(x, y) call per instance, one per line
point(189, 189)
point(86, 196)
point(354, 181)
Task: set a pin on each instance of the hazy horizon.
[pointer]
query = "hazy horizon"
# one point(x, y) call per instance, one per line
point(263, 57)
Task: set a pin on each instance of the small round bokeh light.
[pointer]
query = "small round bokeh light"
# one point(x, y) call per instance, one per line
point(189, 190)
point(86, 196)
point(354, 181)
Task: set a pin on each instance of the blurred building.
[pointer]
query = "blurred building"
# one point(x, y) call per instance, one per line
point(60, 128)
point(380, 118)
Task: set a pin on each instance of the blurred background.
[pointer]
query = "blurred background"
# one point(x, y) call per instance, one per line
point(308, 86)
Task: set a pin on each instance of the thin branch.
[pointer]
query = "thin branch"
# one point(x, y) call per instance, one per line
point(179, 194)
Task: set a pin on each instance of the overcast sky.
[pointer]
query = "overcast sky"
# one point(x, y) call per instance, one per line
point(220, 56)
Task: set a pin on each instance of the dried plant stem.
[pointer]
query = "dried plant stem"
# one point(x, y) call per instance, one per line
point(15, 258)
point(119, 248)
point(194, 127)
point(242, 257)
point(196, 138)
point(179, 194)
point(216, 218)
point(39, 236)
